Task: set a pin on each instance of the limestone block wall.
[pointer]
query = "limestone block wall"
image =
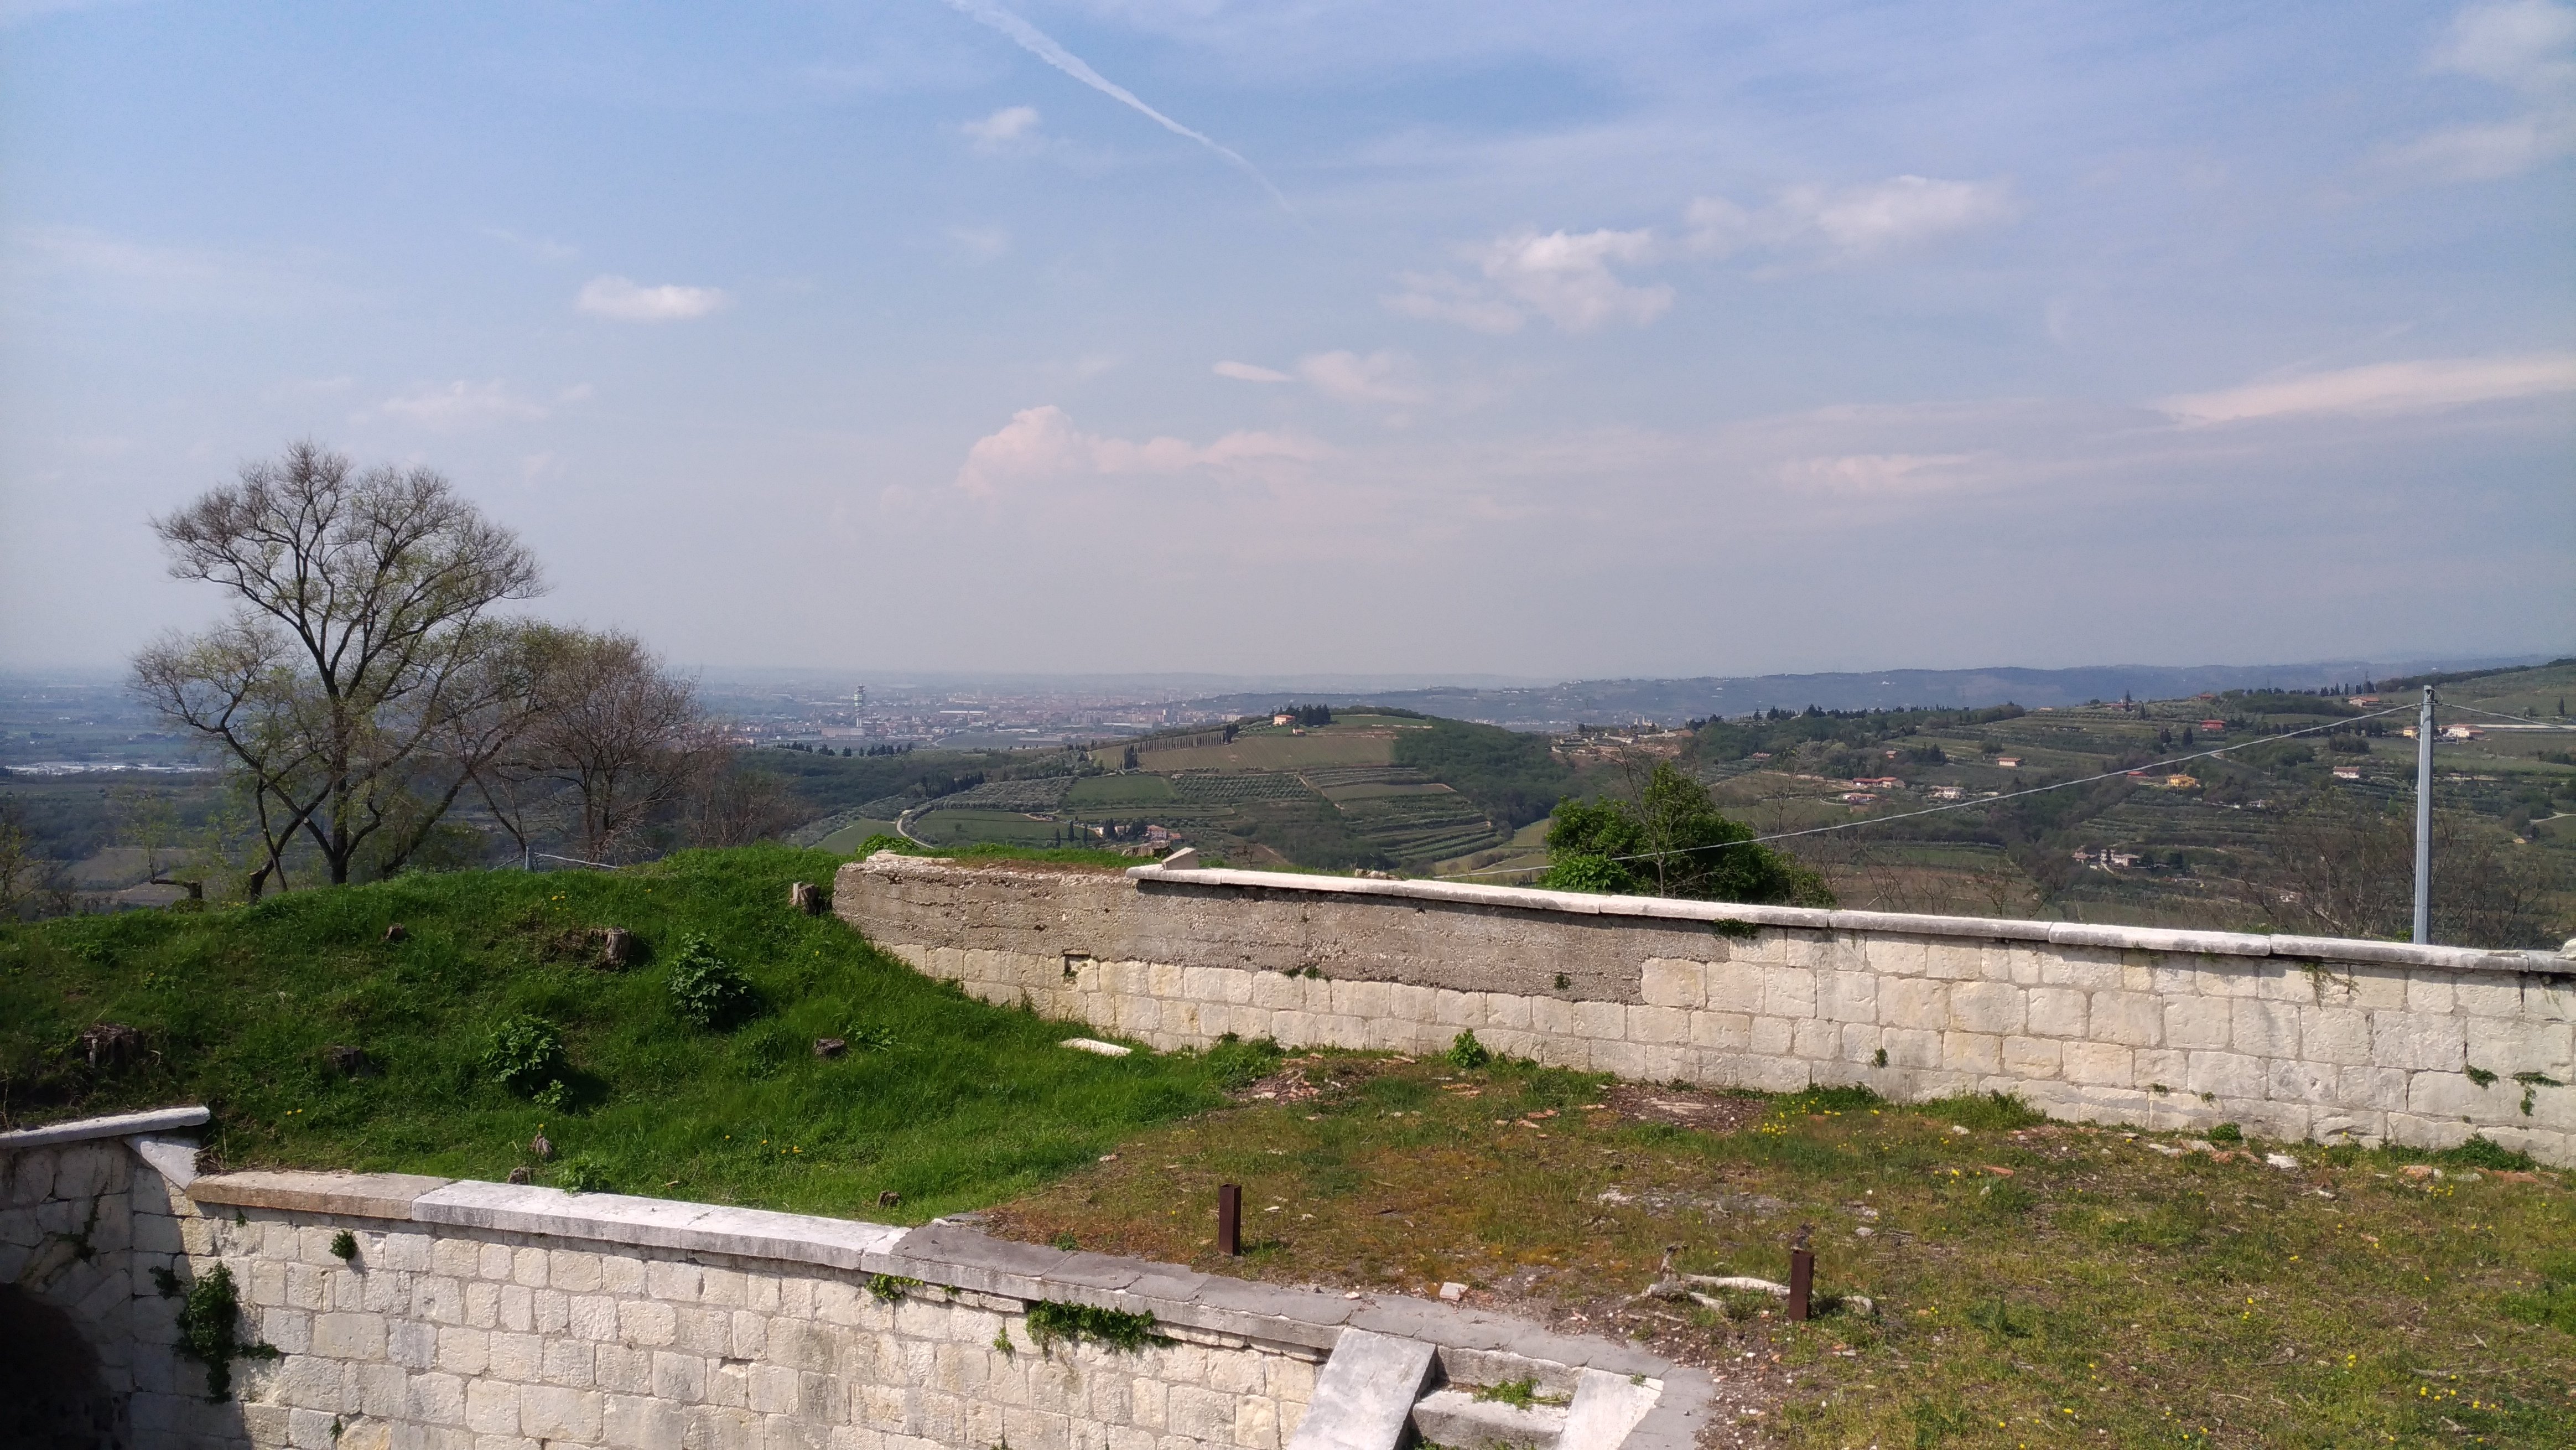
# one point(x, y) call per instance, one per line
point(484, 1316)
point(2290, 1037)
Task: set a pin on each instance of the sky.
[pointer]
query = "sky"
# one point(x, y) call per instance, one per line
point(1537, 340)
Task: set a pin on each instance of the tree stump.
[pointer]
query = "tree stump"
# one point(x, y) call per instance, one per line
point(349, 1061)
point(830, 1046)
point(111, 1044)
point(806, 897)
point(396, 932)
point(616, 949)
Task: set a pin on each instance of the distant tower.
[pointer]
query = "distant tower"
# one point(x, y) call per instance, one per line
point(859, 705)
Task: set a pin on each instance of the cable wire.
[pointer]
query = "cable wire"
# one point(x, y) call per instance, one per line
point(1962, 805)
point(2524, 721)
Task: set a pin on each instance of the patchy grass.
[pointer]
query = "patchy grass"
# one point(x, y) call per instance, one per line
point(943, 1100)
point(2034, 1283)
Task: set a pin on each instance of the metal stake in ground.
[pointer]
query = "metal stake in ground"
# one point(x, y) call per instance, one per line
point(1802, 1272)
point(1229, 1219)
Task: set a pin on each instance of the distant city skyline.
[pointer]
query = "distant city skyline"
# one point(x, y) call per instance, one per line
point(1548, 343)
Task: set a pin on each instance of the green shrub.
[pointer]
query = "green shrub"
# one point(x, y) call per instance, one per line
point(706, 990)
point(1465, 1052)
point(583, 1174)
point(2227, 1133)
point(526, 1055)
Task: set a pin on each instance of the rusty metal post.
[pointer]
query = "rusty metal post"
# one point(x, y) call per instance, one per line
point(1229, 1219)
point(1802, 1275)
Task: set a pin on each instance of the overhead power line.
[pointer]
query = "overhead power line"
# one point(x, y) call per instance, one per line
point(1967, 804)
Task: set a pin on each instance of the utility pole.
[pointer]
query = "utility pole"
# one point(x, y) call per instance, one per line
point(2424, 821)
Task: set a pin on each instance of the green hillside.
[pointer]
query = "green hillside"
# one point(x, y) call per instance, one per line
point(939, 1098)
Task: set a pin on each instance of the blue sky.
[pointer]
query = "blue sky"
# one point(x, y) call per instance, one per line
point(1540, 340)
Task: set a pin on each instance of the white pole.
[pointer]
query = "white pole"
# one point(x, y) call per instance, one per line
point(2424, 821)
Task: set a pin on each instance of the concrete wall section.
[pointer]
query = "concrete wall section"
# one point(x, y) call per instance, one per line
point(485, 1316)
point(2290, 1037)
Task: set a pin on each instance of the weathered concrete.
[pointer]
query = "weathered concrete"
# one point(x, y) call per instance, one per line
point(485, 1316)
point(1366, 1393)
point(2291, 1037)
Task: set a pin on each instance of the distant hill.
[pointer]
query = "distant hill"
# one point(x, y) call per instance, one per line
point(1671, 702)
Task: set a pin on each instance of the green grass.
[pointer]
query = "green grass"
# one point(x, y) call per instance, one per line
point(2035, 1283)
point(958, 1103)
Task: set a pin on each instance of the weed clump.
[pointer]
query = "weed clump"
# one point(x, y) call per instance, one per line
point(1987, 1112)
point(525, 1055)
point(1053, 1319)
point(2484, 1152)
point(1235, 1064)
point(1465, 1052)
point(706, 990)
point(344, 1246)
point(210, 1331)
point(583, 1174)
point(2227, 1133)
point(1520, 1394)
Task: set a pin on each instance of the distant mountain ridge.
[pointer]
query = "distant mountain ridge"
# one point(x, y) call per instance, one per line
point(1670, 702)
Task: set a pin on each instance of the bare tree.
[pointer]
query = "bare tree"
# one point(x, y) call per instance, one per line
point(147, 821)
point(613, 743)
point(737, 804)
point(360, 627)
point(2343, 868)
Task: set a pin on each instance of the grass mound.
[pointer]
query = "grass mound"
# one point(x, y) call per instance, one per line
point(478, 1030)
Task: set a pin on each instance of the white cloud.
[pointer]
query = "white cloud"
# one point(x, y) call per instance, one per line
point(1041, 443)
point(618, 298)
point(2527, 47)
point(1010, 128)
point(1380, 377)
point(1851, 222)
point(1243, 372)
point(1566, 277)
point(2384, 388)
point(447, 407)
point(981, 244)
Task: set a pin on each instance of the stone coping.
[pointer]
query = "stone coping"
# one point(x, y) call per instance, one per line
point(959, 1256)
point(120, 1125)
point(2055, 933)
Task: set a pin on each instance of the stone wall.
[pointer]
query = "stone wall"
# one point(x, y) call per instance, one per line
point(2290, 1037)
point(89, 1216)
point(483, 1316)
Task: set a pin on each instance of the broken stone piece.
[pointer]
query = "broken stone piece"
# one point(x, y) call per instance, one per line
point(616, 949)
point(1094, 1045)
point(806, 897)
point(830, 1046)
point(2282, 1161)
point(1452, 1292)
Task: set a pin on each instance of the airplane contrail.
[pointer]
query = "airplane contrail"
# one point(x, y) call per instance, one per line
point(1038, 43)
